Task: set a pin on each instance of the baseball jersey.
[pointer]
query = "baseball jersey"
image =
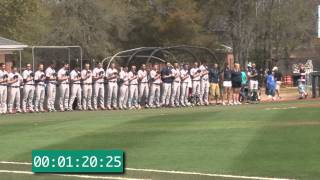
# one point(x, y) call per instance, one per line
point(12, 76)
point(153, 74)
point(50, 73)
point(144, 75)
point(98, 72)
point(125, 77)
point(38, 75)
point(110, 72)
point(2, 74)
point(61, 74)
point(185, 74)
point(193, 72)
point(176, 73)
point(75, 75)
point(26, 73)
point(204, 69)
point(135, 81)
point(84, 74)
point(302, 75)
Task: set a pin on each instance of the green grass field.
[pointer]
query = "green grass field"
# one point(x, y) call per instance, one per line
point(248, 140)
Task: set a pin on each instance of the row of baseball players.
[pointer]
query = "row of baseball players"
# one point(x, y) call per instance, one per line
point(125, 89)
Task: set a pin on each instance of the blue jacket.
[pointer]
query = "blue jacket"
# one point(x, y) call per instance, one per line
point(271, 83)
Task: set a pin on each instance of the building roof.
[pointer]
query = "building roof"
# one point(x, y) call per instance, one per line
point(10, 45)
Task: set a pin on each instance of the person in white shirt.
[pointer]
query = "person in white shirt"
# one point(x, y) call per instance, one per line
point(112, 77)
point(176, 84)
point(124, 88)
point(133, 88)
point(185, 78)
point(204, 85)
point(28, 89)
point(155, 78)
point(75, 78)
point(39, 78)
point(143, 85)
point(51, 76)
point(14, 82)
point(63, 79)
point(195, 73)
point(86, 76)
point(98, 86)
point(3, 88)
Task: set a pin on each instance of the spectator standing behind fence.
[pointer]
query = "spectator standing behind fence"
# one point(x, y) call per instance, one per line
point(236, 83)
point(226, 85)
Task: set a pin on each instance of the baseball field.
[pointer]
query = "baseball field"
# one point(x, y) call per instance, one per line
point(261, 141)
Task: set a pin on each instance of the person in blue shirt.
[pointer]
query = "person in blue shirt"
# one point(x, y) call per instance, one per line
point(271, 85)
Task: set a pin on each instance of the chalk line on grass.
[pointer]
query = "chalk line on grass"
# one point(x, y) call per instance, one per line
point(71, 175)
point(178, 172)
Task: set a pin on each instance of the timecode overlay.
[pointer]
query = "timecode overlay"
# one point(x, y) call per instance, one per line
point(64, 161)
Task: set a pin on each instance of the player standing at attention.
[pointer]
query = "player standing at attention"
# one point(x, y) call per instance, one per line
point(3, 88)
point(28, 89)
point(204, 85)
point(86, 77)
point(155, 79)
point(124, 88)
point(143, 85)
point(214, 79)
point(63, 79)
point(51, 76)
point(226, 85)
point(195, 73)
point(98, 76)
point(75, 82)
point(14, 82)
point(133, 88)
point(167, 79)
point(112, 77)
point(39, 78)
point(176, 86)
point(184, 91)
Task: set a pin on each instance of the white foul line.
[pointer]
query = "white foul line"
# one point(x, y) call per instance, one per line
point(178, 172)
point(71, 175)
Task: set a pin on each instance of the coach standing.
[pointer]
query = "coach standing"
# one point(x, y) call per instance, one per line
point(214, 75)
point(63, 79)
point(167, 79)
point(28, 89)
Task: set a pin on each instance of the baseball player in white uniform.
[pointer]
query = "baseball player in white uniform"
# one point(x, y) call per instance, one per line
point(185, 78)
point(86, 76)
point(167, 79)
point(176, 85)
point(143, 85)
point(98, 76)
point(112, 77)
point(204, 85)
point(3, 88)
point(155, 78)
point(195, 73)
point(75, 82)
point(124, 88)
point(28, 89)
point(51, 76)
point(14, 82)
point(63, 79)
point(133, 88)
point(39, 78)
